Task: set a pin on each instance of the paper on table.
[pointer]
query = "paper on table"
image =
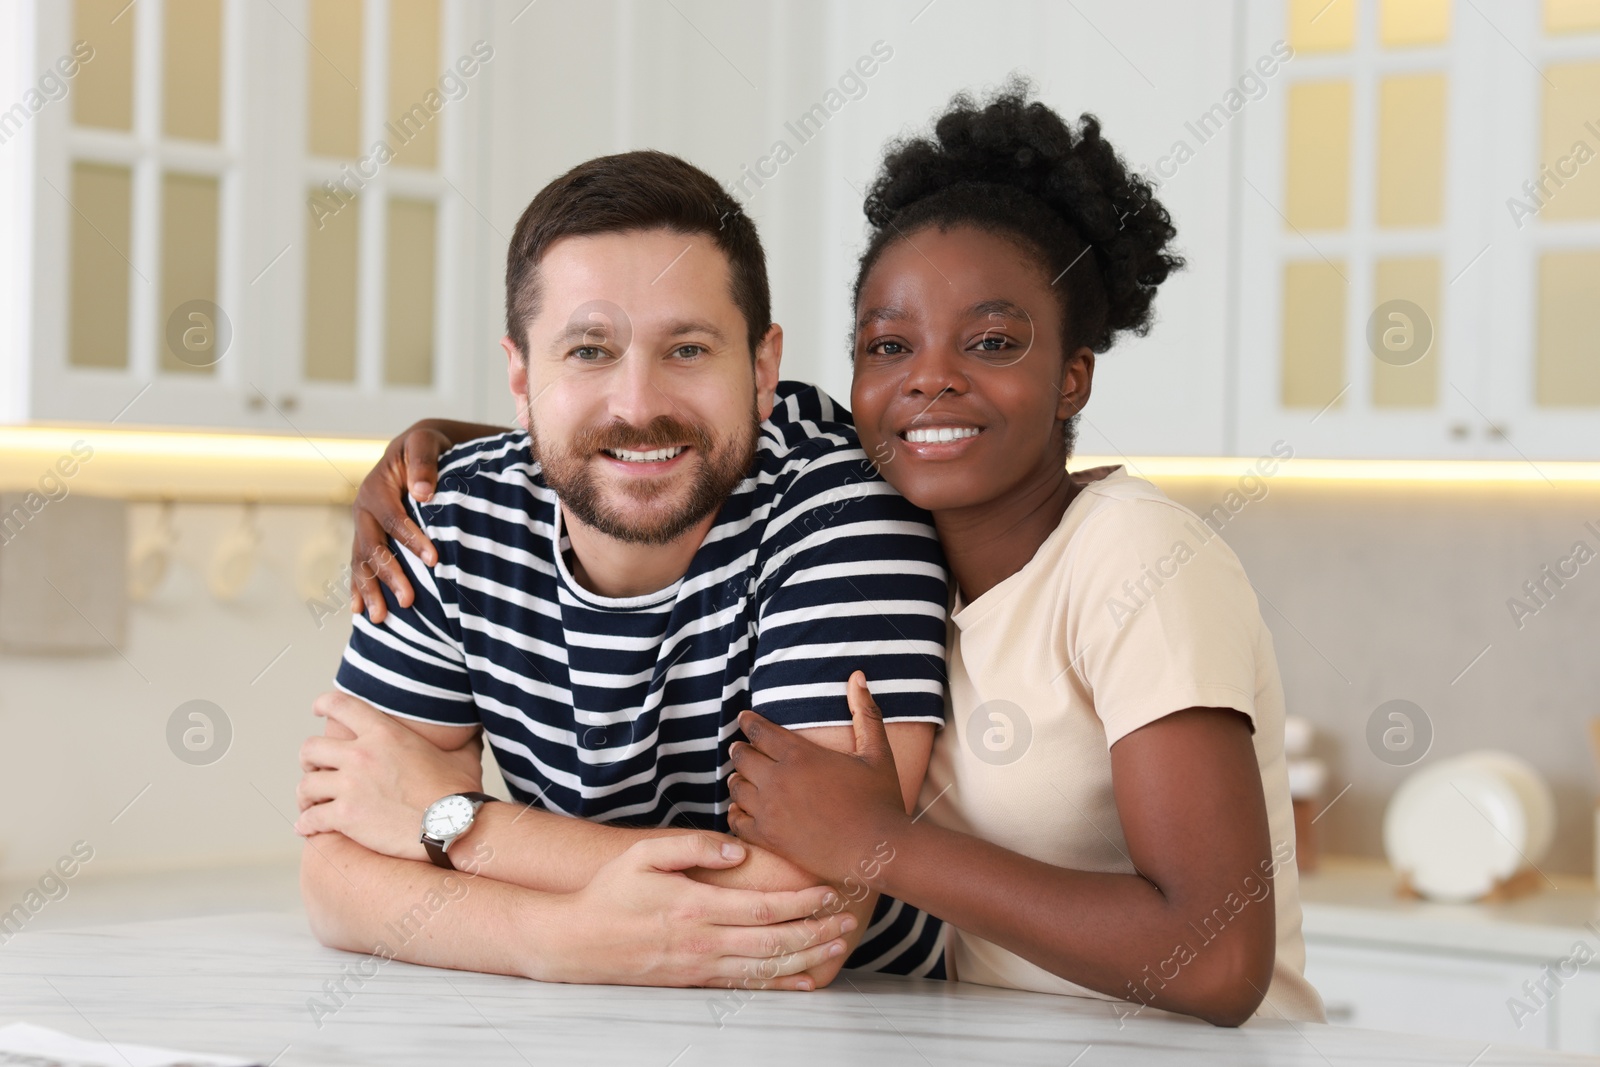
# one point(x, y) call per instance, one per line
point(26, 1045)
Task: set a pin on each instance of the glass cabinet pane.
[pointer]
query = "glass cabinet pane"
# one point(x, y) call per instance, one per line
point(414, 69)
point(1322, 25)
point(1411, 150)
point(191, 96)
point(102, 228)
point(334, 63)
point(1405, 367)
point(1319, 156)
point(1568, 361)
point(102, 93)
point(332, 243)
point(1571, 16)
point(1569, 183)
point(189, 204)
point(408, 355)
point(1408, 23)
point(1313, 333)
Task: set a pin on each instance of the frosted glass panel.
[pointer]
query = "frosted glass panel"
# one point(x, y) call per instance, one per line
point(102, 93)
point(414, 68)
point(1319, 155)
point(1411, 150)
point(97, 311)
point(1313, 334)
point(188, 273)
point(408, 355)
point(1406, 23)
point(333, 62)
point(1572, 16)
point(1407, 376)
point(192, 69)
point(1571, 99)
point(1322, 25)
point(1568, 371)
point(331, 259)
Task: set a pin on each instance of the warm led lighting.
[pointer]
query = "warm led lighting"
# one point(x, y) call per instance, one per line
point(179, 443)
point(149, 464)
point(1445, 471)
point(185, 465)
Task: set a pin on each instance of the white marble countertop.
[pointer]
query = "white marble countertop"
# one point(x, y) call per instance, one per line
point(1357, 900)
point(243, 985)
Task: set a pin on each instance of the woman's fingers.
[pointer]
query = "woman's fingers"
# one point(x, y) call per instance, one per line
point(422, 450)
point(872, 741)
point(367, 557)
point(749, 760)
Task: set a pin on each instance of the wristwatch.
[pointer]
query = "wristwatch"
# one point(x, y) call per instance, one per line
point(447, 819)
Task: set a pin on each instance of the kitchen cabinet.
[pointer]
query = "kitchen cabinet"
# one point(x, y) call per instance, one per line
point(1420, 241)
point(1512, 973)
point(255, 216)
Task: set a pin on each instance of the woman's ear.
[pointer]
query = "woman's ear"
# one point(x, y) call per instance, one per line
point(1077, 380)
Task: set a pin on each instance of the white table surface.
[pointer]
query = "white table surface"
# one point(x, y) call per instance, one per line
point(241, 985)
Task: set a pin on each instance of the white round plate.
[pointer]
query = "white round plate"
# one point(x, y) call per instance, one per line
point(1456, 828)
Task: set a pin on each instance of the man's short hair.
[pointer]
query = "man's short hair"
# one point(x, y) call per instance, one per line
point(636, 191)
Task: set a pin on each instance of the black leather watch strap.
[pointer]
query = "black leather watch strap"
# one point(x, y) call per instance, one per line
point(436, 848)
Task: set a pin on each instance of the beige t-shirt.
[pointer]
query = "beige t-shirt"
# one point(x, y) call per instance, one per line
point(1131, 609)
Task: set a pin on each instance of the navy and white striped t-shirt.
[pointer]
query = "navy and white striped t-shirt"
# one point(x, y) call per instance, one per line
point(623, 709)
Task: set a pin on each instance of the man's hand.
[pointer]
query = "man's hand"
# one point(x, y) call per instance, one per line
point(641, 921)
point(827, 811)
point(371, 778)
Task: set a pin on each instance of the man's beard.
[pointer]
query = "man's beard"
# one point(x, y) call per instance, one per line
point(721, 466)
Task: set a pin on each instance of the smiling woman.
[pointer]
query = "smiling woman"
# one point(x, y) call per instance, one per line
point(1010, 248)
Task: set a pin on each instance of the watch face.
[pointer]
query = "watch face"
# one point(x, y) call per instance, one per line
point(448, 817)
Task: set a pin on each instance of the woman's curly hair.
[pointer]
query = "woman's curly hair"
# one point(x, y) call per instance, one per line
point(1011, 166)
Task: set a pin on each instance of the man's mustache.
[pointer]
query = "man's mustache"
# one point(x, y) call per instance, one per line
point(663, 431)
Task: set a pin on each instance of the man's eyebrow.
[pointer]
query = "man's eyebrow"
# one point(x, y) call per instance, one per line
point(599, 329)
point(684, 327)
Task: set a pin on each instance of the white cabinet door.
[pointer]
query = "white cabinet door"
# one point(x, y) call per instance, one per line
point(1577, 1014)
point(178, 278)
point(1377, 184)
point(1360, 310)
point(1430, 994)
point(1542, 374)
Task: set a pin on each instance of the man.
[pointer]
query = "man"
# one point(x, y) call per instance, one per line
point(677, 537)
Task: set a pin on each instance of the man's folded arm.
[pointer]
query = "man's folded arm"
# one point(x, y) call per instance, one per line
point(640, 922)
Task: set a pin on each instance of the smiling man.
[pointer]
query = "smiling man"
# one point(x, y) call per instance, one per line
point(673, 537)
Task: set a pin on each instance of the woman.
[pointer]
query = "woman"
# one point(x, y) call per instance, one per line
point(1107, 813)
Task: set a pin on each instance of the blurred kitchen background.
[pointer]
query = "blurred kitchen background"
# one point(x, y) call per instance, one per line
point(242, 242)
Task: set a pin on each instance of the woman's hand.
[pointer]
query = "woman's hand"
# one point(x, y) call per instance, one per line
point(409, 464)
point(830, 812)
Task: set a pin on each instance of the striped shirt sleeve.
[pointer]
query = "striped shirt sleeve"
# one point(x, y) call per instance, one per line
point(851, 578)
point(412, 664)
